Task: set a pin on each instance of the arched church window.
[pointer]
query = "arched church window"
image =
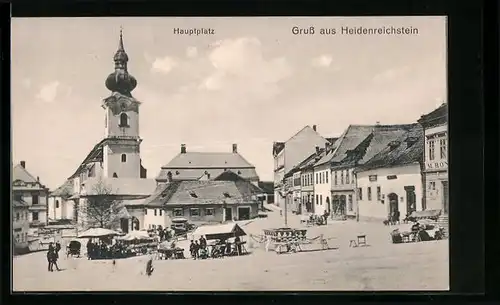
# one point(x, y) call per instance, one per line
point(124, 158)
point(115, 175)
point(123, 120)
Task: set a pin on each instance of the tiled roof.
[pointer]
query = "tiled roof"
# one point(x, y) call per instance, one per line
point(95, 155)
point(310, 161)
point(267, 186)
point(351, 138)
point(400, 155)
point(382, 137)
point(437, 116)
point(195, 174)
point(65, 190)
point(20, 173)
point(121, 186)
point(204, 192)
point(208, 160)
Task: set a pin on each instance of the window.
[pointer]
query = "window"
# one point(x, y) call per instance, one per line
point(352, 177)
point(57, 204)
point(18, 197)
point(442, 148)
point(360, 193)
point(379, 193)
point(35, 199)
point(432, 185)
point(342, 177)
point(326, 177)
point(317, 178)
point(178, 212)
point(209, 212)
point(320, 199)
point(431, 149)
point(347, 180)
point(156, 211)
point(34, 216)
point(369, 193)
point(17, 216)
point(317, 199)
point(349, 203)
point(194, 212)
point(161, 212)
point(124, 158)
point(336, 181)
point(145, 211)
point(123, 120)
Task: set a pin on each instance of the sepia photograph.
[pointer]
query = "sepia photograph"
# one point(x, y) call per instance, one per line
point(229, 154)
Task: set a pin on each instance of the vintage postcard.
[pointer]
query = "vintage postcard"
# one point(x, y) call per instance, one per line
point(229, 154)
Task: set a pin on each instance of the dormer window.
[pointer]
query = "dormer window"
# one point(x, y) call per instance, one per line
point(177, 172)
point(123, 120)
point(226, 194)
point(410, 141)
point(193, 194)
point(393, 144)
point(124, 158)
point(239, 172)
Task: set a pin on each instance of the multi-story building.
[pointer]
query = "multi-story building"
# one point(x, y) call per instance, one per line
point(435, 126)
point(60, 207)
point(391, 180)
point(307, 178)
point(289, 154)
point(28, 189)
point(20, 225)
point(207, 165)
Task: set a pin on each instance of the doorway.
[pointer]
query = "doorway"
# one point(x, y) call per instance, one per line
point(135, 224)
point(411, 198)
point(445, 197)
point(328, 206)
point(124, 225)
point(244, 213)
point(342, 204)
point(228, 212)
point(393, 203)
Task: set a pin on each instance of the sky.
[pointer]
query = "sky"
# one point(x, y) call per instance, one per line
point(252, 82)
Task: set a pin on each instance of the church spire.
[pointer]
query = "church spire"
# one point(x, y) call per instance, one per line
point(120, 80)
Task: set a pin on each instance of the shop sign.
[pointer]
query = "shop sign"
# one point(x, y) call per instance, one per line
point(437, 165)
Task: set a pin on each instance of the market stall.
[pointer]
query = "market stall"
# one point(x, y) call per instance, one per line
point(100, 242)
point(286, 239)
point(136, 243)
point(422, 230)
point(225, 239)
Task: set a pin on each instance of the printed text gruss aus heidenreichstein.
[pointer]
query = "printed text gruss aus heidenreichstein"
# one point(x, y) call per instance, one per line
point(355, 30)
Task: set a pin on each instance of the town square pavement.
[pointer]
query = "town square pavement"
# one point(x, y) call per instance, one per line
point(380, 266)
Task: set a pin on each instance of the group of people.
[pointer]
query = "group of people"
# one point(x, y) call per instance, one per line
point(53, 256)
point(164, 233)
point(199, 248)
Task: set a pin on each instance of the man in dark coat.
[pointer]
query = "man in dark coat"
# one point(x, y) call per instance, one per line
point(203, 242)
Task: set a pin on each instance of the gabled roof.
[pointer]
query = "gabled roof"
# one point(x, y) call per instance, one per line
point(65, 190)
point(352, 137)
point(203, 192)
point(20, 173)
point(435, 117)
point(208, 160)
point(400, 155)
point(95, 155)
point(279, 146)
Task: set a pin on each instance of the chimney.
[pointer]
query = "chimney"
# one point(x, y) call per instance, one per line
point(183, 148)
point(235, 148)
point(23, 164)
point(317, 149)
point(314, 127)
point(37, 179)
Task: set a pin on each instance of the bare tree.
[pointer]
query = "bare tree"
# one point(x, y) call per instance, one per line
point(101, 208)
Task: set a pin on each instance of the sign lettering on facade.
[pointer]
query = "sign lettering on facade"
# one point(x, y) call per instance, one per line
point(437, 165)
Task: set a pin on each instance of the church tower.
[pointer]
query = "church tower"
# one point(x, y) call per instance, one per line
point(121, 149)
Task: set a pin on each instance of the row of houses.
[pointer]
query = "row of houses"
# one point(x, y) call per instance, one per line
point(369, 172)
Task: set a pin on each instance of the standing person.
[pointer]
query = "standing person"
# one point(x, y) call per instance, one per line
point(398, 215)
point(203, 242)
point(55, 256)
point(197, 249)
point(192, 250)
point(58, 248)
point(89, 249)
point(50, 255)
point(149, 267)
point(325, 217)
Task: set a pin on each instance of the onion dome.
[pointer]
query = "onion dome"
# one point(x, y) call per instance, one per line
point(120, 80)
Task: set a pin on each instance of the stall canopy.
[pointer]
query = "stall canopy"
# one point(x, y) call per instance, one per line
point(136, 235)
point(98, 232)
point(219, 231)
point(425, 214)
